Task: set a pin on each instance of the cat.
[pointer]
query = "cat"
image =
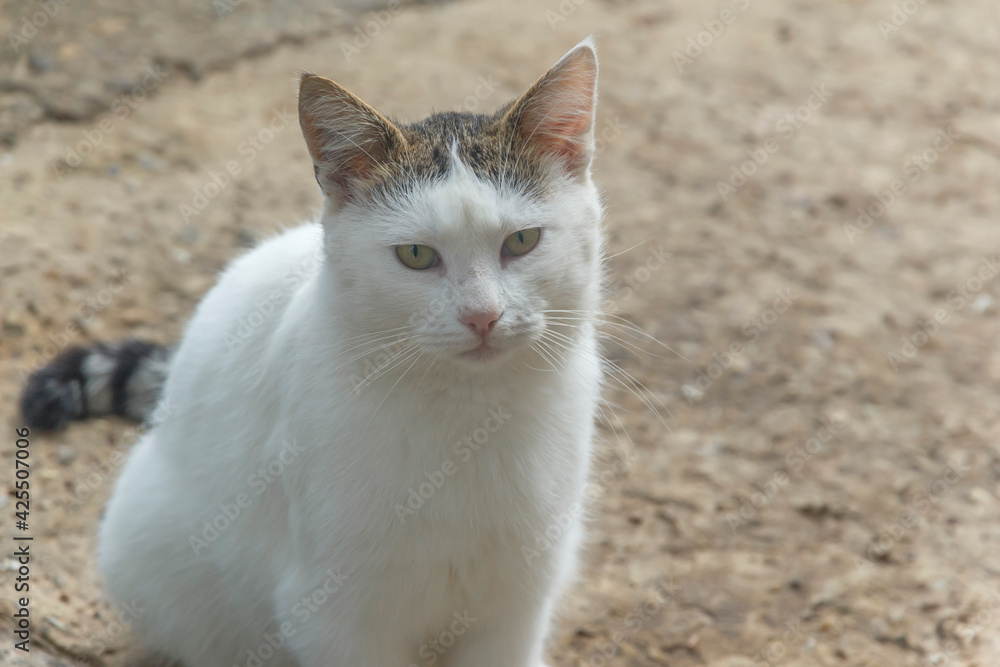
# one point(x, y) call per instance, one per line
point(307, 502)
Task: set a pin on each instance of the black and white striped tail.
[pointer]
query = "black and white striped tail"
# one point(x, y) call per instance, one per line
point(123, 379)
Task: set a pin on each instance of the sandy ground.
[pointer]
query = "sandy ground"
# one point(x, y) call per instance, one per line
point(825, 489)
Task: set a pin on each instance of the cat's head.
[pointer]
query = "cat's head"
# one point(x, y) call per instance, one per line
point(468, 234)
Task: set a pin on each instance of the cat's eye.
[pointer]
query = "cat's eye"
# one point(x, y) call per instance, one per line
point(417, 257)
point(522, 242)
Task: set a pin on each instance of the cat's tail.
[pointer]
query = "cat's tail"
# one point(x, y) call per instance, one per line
point(123, 379)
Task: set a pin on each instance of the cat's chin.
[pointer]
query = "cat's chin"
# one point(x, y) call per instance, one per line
point(482, 354)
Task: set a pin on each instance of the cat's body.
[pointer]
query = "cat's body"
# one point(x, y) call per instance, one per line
point(302, 505)
point(347, 493)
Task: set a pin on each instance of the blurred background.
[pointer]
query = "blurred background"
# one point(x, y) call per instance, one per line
point(802, 202)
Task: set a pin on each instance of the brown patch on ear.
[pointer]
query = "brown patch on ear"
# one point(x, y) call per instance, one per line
point(349, 141)
point(556, 116)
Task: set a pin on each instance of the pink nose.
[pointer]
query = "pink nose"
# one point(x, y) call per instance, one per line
point(481, 322)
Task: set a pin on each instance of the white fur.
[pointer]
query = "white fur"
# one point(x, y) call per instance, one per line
point(480, 563)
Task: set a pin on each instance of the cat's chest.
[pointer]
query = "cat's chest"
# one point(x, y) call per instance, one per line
point(494, 477)
point(452, 482)
point(450, 473)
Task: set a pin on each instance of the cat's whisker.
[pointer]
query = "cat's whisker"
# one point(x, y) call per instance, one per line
point(639, 390)
point(541, 349)
point(627, 344)
point(599, 400)
point(536, 348)
point(337, 345)
point(556, 321)
point(629, 249)
point(540, 370)
point(392, 363)
point(429, 367)
point(621, 322)
point(372, 334)
point(388, 341)
point(419, 354)
point(616, 425)
point(626, 379)
point(378, 348)
point(622, 376)
point(533, 348)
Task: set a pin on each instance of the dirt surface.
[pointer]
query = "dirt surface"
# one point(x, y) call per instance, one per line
point(70, 61)
point(825, 489)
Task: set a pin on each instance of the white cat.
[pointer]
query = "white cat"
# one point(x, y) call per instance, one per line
point(379, 425)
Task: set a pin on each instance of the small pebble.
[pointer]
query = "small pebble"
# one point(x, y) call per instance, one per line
point(982, 303)
point(896, 615)
point(823, 338)
point(40, 62)
point(191, 234)
point(150, 162)
point(56, 623)
point(692, 393)
point(65, 455)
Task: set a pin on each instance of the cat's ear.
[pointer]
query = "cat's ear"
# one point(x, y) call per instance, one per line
point(349, 141)
point(556, 115)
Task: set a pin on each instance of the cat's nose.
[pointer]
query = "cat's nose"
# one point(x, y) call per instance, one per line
point(481, 321)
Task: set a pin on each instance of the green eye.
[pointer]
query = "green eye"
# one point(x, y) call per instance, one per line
point(522, 242)
point(417, 257)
